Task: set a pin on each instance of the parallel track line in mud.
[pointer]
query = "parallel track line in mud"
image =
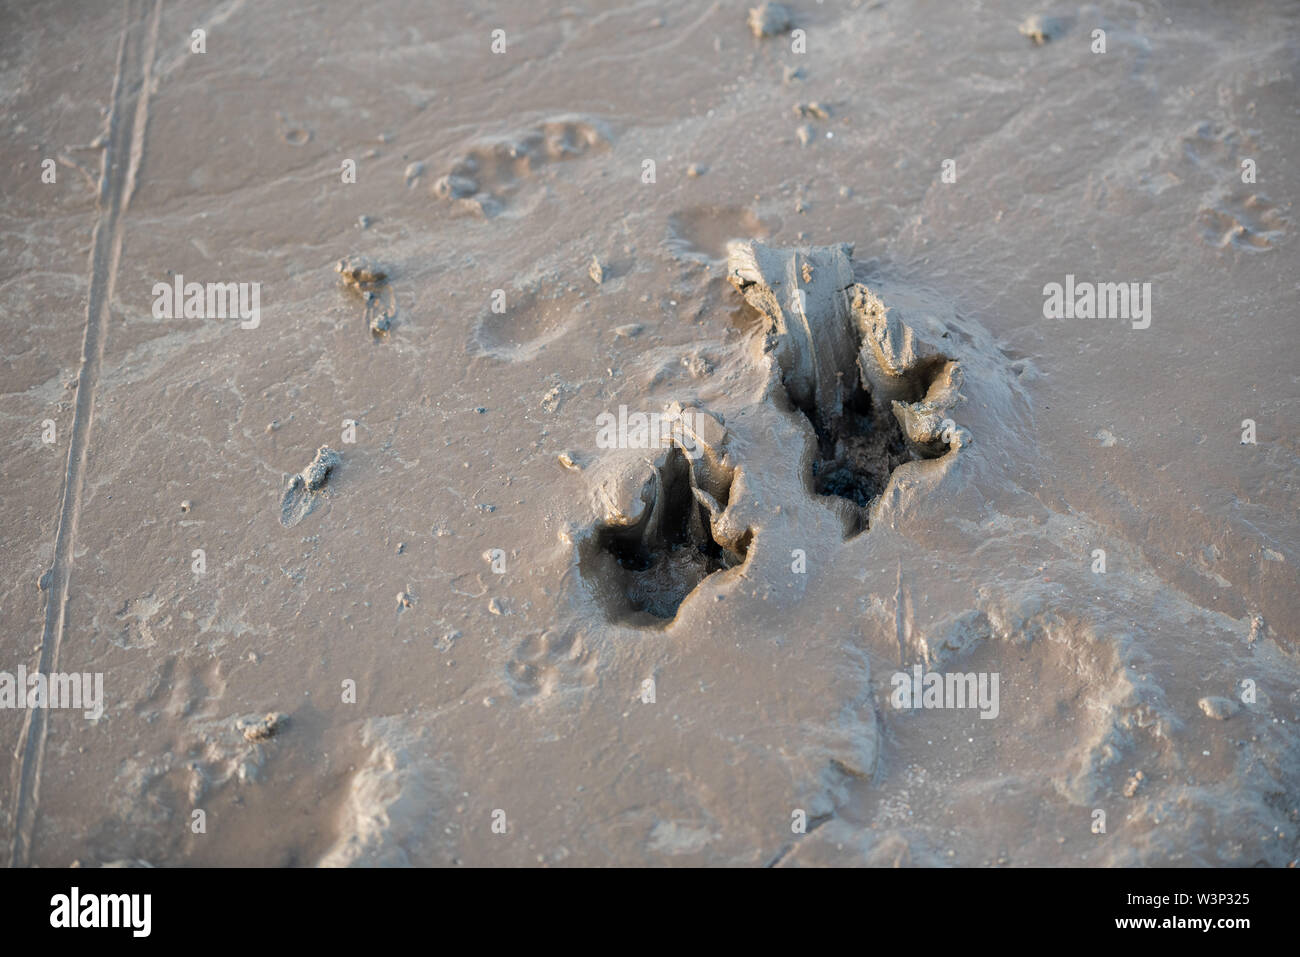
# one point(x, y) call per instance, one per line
point(120, 165)
point(902, 614)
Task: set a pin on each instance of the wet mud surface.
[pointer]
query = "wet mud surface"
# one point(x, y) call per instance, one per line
point(880, 453)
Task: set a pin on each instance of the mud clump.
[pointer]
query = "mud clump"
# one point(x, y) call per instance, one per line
point(1040, 29)
point(770, 19)
point(358, 273)
point(303, 489)
point(812, 110)
point(371, 284)
point(1133, 784)
point(317, 473)
point(261, 728)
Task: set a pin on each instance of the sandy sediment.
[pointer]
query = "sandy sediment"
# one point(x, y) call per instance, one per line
point(824, 270)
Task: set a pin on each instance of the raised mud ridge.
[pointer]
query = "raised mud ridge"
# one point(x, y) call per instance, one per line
point(873, 397)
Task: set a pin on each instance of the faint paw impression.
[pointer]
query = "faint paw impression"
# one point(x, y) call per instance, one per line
point(137, 622)
point(701, 233)
point(549, 661)
point(1233, 214)
point(485, 180)
point(1244, 220)
point(529, 321)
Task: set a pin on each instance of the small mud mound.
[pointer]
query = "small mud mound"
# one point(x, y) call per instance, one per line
point(302, 491)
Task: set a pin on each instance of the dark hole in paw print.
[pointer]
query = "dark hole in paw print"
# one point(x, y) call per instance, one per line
point(860, 445)
point(646, 569)
point(857, 452)
point(832, 341)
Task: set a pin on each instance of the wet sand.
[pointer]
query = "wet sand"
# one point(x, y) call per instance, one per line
point(365, 587)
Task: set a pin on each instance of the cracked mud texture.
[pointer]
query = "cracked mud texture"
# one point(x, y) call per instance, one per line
point(521, 688)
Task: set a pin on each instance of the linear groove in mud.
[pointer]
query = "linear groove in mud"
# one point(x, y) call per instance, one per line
point(120, 166)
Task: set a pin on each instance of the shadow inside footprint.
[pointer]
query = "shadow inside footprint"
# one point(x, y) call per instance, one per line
point(649, 567)
point(860, 445)
point(857, 451)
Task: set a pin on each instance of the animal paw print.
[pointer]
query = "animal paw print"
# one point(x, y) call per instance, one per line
point(551, 661)
point(659, 544)
point(1239, 217)
point(530, 320)
point(1213, 147)
point(874, 394)
point(1244, 220)
point(486, 180)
